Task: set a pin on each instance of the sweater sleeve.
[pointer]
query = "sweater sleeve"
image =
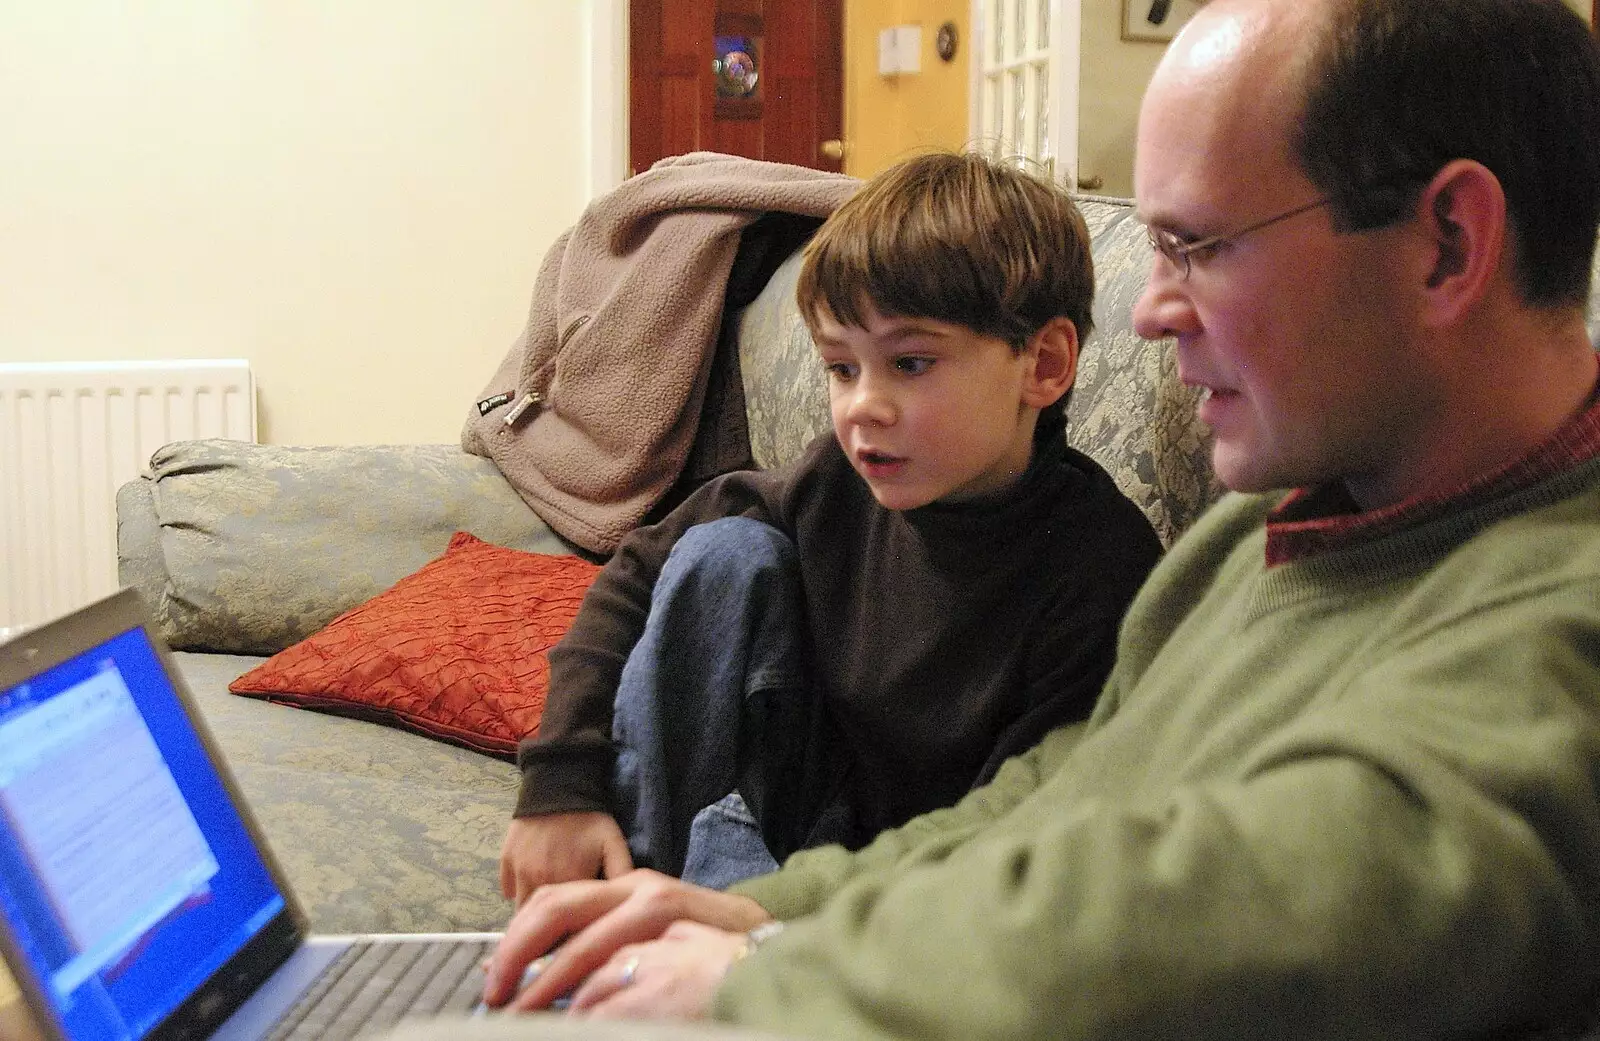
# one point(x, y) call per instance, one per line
point(1417, 858)
point(567, 765)
point(808, 879)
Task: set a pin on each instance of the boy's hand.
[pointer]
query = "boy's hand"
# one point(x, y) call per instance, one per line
point(560, 847)
point(592, 921)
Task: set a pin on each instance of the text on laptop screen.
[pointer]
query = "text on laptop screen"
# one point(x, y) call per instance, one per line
point(126, 876)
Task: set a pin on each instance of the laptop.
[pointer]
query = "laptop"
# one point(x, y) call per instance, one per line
point(138, 899)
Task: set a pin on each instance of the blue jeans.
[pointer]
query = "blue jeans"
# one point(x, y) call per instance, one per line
point(714, 714)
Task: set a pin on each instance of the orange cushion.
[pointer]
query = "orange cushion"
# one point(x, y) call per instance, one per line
point(458, 650)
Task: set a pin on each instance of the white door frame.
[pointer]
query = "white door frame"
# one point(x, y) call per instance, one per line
point(1066, 37)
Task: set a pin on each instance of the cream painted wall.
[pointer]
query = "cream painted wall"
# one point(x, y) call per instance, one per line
point(1112, 78)
point(355, 194)
point(887, 118)
point(352, 194)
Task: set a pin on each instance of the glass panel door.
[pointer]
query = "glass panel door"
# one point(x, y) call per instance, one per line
point(1025, 96)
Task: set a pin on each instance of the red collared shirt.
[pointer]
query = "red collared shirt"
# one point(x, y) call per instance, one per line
point(1319, 520)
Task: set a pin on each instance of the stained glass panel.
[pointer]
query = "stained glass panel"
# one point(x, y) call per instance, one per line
point(737, 66)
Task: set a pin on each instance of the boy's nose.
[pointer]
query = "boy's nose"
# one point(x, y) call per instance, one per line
point(871, 404)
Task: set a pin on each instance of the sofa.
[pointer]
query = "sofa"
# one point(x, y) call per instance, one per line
point(241, 550)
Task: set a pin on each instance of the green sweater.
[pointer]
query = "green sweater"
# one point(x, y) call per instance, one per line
point(1355, 795)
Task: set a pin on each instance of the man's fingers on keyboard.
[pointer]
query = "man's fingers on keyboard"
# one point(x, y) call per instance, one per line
point(549, 915)
point(631, 921)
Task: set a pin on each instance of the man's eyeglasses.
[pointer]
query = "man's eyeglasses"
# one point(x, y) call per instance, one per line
point(1178, 252)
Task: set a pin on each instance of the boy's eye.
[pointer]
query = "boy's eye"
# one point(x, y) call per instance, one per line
point(913, 365)
point(840, 370)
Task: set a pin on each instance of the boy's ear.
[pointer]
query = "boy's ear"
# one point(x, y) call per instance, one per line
point(1054, 350)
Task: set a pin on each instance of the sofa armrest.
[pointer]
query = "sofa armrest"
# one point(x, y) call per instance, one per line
point(139, 558)
point(246, 549)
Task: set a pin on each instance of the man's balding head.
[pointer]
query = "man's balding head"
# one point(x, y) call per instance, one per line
point(1392, 90)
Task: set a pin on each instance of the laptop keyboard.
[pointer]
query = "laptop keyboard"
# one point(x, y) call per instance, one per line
point(372, 985)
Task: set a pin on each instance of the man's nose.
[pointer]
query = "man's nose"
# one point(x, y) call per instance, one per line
point(1164, 308)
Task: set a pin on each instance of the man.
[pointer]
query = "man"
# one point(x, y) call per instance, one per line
point(1345, 779)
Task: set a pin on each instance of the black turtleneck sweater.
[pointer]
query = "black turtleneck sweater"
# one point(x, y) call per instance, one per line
point(944, 639)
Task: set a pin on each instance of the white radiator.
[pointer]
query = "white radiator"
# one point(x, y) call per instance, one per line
point(71, 433)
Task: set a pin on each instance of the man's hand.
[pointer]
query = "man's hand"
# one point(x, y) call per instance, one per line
point(671, 978)
point(596, 919)
point(560, 847)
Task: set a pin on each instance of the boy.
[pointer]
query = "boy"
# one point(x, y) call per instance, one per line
point(863, 635)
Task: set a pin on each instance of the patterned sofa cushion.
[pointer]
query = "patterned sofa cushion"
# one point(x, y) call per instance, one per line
point(785, 392)
point(245, 549)
point(1129, 410)
point(378, 829)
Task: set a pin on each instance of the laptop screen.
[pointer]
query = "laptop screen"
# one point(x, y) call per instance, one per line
point(127, 878)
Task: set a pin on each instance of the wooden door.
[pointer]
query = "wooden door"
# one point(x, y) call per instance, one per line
point(757, 78)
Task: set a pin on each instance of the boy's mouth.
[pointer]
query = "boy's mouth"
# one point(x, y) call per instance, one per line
point(874, 463)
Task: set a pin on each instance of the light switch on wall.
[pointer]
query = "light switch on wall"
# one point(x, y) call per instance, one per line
point(899, 50)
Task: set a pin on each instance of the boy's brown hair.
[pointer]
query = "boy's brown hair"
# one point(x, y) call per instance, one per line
point(958, 238)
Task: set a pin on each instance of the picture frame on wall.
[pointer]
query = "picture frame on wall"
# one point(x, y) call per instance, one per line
point(1155, 21)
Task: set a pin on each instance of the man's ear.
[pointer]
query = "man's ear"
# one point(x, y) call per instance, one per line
point(1462, 212)
point(1054, 349)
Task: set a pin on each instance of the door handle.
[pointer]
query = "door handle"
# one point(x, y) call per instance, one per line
point(832, 149)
